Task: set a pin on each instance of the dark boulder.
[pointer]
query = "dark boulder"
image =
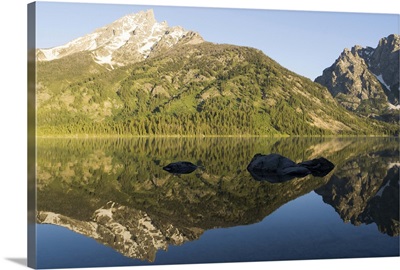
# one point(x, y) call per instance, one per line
point(181, 167)
point(275, 168)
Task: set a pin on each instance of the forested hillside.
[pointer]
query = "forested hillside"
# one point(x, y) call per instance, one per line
point(200, 89)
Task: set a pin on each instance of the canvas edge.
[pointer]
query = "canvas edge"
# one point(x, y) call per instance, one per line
point(31, 135)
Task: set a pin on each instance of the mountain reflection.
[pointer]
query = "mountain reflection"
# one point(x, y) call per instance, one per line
point(116, 191)
point(366, 190)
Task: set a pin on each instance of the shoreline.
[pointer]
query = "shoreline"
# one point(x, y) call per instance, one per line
point(104, 136)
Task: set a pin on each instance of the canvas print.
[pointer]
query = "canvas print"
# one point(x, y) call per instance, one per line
point(180, 135)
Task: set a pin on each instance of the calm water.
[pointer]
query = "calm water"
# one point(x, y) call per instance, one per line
point(108, 202)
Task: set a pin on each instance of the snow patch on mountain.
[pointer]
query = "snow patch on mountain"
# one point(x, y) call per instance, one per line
point(154, 36)
point(87, 43)
point(104, 60)
point(50, 54)
point(119, 41)
point(393, 107)
point(382, 81)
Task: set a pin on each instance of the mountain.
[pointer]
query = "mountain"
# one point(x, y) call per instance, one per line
point(185, 87)
point(366, 80)
point(131, 38)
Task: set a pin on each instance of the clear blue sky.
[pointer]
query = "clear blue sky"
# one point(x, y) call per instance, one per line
point(304, 42)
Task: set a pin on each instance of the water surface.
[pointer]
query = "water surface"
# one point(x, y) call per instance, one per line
point(108, 202)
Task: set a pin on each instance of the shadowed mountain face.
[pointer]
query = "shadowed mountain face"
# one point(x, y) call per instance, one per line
point(117, 192)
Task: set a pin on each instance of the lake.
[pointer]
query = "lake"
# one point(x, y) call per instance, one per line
point(108, 202)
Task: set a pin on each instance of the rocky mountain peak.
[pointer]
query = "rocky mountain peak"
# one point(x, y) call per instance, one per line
point(131, 22)
point(351, 56)
point(129, 39)
point(344, 76)
point(356, 49)
point(147, 15)
point(366, 79)
point(391, 41)
point(384, 61)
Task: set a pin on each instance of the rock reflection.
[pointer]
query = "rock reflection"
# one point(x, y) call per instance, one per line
point(181, 167)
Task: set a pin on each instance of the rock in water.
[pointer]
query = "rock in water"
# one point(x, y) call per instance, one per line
point(318, 166)
point(181, 167)
point(275, 168)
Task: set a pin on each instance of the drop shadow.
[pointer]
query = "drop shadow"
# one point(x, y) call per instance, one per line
point(20, 261)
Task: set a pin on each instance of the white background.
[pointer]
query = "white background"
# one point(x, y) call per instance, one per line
point(13, 100)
